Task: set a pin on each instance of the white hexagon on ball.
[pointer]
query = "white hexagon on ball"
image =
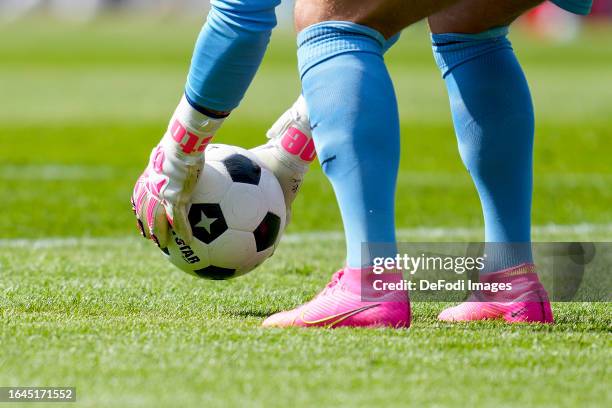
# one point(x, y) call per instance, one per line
point(218, 152)
point(271, 190)
point(233, 250)
point(214, 183)
point(244, 206)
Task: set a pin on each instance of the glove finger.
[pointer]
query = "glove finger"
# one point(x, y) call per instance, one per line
point(161, 228)
point(177, 211)
point(141, 228)
point(138, 198)
point(133, 203)
point(152, 206)
point(138, 207)
point(142, 217)
point(139, 224)
point(180, 222)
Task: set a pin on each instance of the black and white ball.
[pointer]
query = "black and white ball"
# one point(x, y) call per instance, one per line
point(237, 215)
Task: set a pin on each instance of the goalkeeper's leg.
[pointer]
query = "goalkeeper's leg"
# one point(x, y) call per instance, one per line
point(353, 110)
point(494, 122)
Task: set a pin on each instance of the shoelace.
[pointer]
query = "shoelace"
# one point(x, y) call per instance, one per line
point(335, 279)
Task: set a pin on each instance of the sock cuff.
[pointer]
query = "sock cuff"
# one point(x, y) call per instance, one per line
point(453, 49)
point(243, 16)
point(203, 110)
point(501, 256)
point(323, 41)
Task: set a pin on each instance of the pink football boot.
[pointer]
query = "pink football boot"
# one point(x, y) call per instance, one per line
point(527, 301)
point(350, 300)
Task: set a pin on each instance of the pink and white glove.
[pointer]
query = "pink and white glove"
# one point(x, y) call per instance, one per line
point(164, 189)
point(289, 151)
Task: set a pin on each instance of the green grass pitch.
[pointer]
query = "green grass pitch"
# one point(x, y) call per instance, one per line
point(84, 302)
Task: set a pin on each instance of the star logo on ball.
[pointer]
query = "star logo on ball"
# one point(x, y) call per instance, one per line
point(207, 222)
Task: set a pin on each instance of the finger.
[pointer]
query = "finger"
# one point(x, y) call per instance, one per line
point(138, 193)
point(141, 228)
point(138, 197)
point(151, 209)
point(141, 218)
point(139, 224)
point(180, 222)
point(177, 213)
point(161, 228)
point(133, 199)
point(133, 205)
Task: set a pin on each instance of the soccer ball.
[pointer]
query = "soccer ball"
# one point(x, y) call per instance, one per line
point(237, 214)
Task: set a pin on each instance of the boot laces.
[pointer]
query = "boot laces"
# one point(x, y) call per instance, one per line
point(333, 283)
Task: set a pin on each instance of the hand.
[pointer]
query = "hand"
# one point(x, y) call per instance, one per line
point(163, 191)
point(289, 151)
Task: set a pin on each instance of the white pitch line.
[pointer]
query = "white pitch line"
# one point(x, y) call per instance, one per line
point(68, 172)
point(449, 232)
point(560, 231)
point(454, 179)
point(56, 172)
point(58, 242)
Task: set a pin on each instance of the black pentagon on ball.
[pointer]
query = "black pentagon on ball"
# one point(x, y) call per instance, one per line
point(215, 272)
point(207, 222)
point(267, 231)
point(242, 169)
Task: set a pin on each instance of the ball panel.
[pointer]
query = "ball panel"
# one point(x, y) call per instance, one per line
point(233, 249)
point(273, 194)
point(215, 273)
point(257, 259)
point(187, 257)
point(244, 206)
point(218, 152)
point(267, 232)
point(237, 216)
point(242, 169)
point(207, 221)
point(213, 183)
point(247, 153)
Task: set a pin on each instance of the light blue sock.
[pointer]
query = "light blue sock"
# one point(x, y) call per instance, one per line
point(353, 112)
point(494, 122)
point(228, 52)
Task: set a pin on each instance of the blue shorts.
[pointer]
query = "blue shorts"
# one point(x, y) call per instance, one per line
point(575, 6)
